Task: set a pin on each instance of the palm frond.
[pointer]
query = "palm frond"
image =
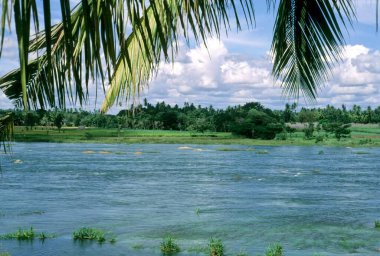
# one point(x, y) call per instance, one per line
point(307, 39)
point(120, 42)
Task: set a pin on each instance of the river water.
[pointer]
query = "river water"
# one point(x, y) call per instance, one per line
point(311, 200)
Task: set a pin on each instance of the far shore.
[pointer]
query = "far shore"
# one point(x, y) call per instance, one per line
point(361, 136)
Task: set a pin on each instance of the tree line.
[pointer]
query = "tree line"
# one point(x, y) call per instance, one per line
point(251, 120)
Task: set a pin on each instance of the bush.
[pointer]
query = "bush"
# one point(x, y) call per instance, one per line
point(319, 138)
point(309, 131)
point(169, 247)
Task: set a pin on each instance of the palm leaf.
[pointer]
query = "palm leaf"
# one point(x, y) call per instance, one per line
point(307, 39)
point(92, 38)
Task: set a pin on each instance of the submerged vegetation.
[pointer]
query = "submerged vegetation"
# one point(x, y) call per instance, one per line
point(274, 250)
point(26, 234)
point(92, 234)
point(216, 247)
point(169, 247)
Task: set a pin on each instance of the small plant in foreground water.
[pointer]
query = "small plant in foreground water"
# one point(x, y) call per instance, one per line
point(216, 247)
point(26, 234)
point(377, 224)
point(274, 250)
point(92, 234)
point(242, 253)
point(169, 247)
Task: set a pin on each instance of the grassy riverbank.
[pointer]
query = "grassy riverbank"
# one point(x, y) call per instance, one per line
point(361, 136)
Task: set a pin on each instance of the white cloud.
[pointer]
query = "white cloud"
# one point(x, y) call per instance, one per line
point(220, 78)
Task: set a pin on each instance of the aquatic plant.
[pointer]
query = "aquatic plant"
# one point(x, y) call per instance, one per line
point(274, 250)
point(361, 152)
point(26, 234)
point(242, 253)
point(262, 152)
point(216, 247)
point(169, 247)
point(92, 234)
point(5, 254)
point(138, 246)
point(197, 211)
point(228, 149)
point(377, 224)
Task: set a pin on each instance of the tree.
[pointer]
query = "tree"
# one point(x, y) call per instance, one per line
point(257, 125)
point(93, 35)
point(58, 120)
point(31, 119)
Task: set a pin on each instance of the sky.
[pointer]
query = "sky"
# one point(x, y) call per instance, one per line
point(237, 69)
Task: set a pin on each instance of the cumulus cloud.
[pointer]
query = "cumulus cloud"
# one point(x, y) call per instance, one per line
point(222, 75)
point(212, 76)
point(356, 80)
point(215, 76)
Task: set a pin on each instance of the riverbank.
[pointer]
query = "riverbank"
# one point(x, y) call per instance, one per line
point(361, 136)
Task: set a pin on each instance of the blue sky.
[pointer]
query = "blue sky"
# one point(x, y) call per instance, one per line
point(236, 69)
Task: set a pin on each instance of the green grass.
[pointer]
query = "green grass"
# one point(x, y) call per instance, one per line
point(169, 247)
point(91, 234)
point(274, 250)
point(361, 136)
point(5, 254)
point(26, 234)
point(216, 247)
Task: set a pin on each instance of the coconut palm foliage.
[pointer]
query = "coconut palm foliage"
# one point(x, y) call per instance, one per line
point(307, 38)
point(120, 43)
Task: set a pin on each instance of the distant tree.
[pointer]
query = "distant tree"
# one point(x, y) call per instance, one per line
point(201, 124)
point(31, 119)
point(340, 130)
point(257, 125)
point(309, 131)
point(58, 120)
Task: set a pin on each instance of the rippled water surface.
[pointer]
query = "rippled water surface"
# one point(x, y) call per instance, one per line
point(311, 203)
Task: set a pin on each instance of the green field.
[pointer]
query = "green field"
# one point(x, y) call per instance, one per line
point(361, 136)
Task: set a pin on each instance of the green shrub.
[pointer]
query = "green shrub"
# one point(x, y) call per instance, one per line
point(92, 234)
point(216, 247)
point(169, 247)
point(274, 250)
point(319, 138)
